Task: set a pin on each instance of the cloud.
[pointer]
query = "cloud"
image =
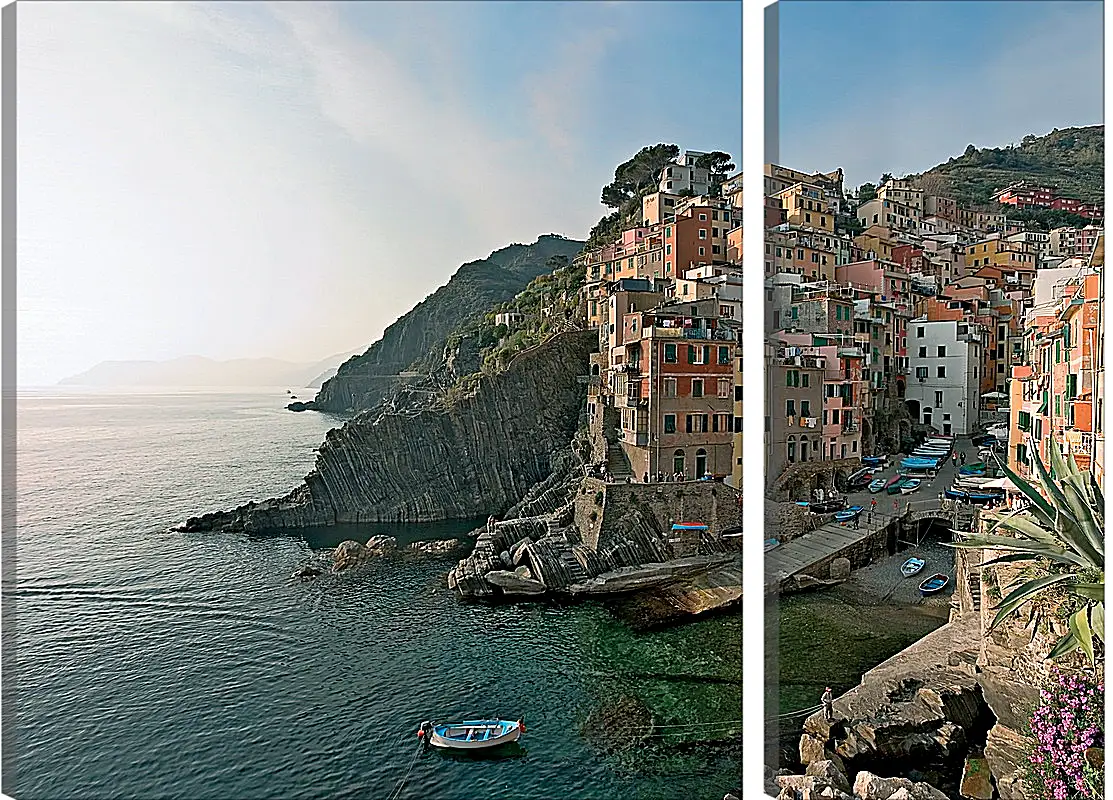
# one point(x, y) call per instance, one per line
point(557, 94)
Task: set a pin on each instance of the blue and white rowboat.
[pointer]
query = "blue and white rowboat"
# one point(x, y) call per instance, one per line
point(475, 734)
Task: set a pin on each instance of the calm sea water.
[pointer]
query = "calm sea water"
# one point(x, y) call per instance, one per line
point(163, 665)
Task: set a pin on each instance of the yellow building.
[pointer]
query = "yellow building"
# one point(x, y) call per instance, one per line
point(806, 207)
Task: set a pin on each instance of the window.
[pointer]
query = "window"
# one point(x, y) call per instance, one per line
point(724, 355)
point(834, 416)
point(941, 372)
point(805, 408)
point(701, 251)
point(724, 387)
point(670, 353)
point(702, 217)
point(921, 372)
point(920, 332)
point(792, 378)
point(670, 387)
point(804, 379)
point(703, 233)
point(695, 354)
point(697, 387)
point(670, 423)
point(938, 398)
point(696, 423)
point(790, 408)
point(942, 351)
point(923, 352)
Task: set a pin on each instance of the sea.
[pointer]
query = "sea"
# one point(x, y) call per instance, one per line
point(143, 663)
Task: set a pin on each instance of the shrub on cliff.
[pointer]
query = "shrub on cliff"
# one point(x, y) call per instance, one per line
point(1069, 729)
point(1062, 531)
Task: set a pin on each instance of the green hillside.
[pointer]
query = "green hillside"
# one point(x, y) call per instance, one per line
point(1071, 159)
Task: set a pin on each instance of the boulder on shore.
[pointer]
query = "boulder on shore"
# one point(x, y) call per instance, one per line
point(512, 583)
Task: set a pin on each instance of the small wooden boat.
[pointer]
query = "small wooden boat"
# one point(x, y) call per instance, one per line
point(472, 734)
point(771, 543)
point(911, 485)
point(897, 486)
point(877, 484)
point(911, 567)
point(848, 514)
point(934, 584)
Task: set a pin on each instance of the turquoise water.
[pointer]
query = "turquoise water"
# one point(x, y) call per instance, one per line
point(151, 664)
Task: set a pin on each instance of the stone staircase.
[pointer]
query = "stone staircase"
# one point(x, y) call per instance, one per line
point(974, 581)
point(618, 465)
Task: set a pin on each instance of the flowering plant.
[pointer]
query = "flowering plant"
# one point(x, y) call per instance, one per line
point(1067, 725)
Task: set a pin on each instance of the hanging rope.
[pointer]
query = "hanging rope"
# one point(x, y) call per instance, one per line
point(397, 793)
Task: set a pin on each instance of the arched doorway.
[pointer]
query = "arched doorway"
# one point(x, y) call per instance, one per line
point(900, 389)
point(678, 462)
point(791, 449)
point(913, 408)
point(701, 463)
point(927, 415)
point(804, 449)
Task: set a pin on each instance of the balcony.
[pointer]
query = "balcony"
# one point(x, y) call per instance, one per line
point(850, 427)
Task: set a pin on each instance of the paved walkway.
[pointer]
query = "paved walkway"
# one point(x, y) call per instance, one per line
point(792, 557)
point(801, 553)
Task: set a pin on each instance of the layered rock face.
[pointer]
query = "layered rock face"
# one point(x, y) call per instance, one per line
point(921, 709)
point(363, 381)
point(480, 455)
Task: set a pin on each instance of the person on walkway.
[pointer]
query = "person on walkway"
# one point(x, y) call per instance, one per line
point(954, 460)
point(645, 477)
point(962, 458)
point(828, 703)
point(896, 507)
point(873, 505)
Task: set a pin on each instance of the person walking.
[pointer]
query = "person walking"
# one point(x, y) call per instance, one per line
point(828, 703)
point(962, 458)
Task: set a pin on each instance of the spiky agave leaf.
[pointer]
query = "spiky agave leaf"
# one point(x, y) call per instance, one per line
point(1080, 626)
point(1018, 597)
point(1010, 543)
point(1090, 538)
point(1097, 621)
point(1066, 645)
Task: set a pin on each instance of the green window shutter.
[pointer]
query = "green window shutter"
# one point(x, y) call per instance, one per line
point(691, 354)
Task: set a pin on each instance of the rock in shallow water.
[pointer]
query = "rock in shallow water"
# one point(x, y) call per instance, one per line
point(513, 584)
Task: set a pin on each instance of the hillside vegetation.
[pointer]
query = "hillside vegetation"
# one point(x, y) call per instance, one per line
point(1071, 159)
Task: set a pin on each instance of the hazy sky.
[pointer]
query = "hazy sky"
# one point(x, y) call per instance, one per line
point(899, 87)
point(256, 179)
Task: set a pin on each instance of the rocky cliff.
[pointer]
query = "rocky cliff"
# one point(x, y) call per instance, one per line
point(478, 454)
point(363, 381)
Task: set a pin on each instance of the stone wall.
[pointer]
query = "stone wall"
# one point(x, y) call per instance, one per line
point(659, 505)
point(798, 481)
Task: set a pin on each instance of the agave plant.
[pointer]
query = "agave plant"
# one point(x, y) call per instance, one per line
point(1064, 524)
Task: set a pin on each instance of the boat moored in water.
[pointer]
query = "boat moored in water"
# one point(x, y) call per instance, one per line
point(472, 734)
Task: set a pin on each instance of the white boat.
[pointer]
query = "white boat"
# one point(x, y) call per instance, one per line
point(472, 734)
point(911, 567)
point(911, 485)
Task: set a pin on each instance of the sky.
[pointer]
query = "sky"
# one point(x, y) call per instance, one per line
point(899, 87)
point(245, 179)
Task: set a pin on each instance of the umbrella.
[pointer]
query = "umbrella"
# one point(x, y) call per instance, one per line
point(994, 396)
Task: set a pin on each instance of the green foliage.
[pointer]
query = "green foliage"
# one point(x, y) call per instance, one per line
point(719, 165)
point(633, 180)
point(1072, 160)
point(1062, 529)
point(866, 192)
point(1046, 219)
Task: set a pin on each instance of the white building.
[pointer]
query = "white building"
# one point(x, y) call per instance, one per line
point(945, 365)
point(682, 175)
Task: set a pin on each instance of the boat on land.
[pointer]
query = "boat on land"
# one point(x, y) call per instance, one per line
point(875, 461)
point(897, 487)
point(877, 484)
point(933, 585)
point(920, 462)
point(849, 514)
point(771, 543)
point(911, 485)
point(977, 468)
point(911, 567)
point(472, 734)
